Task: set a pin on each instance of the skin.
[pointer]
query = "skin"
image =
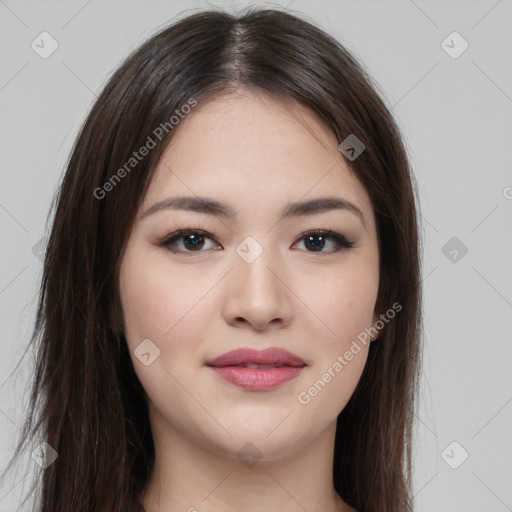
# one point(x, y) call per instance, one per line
point(255, 153)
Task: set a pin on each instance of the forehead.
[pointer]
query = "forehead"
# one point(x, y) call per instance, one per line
point(252, 150)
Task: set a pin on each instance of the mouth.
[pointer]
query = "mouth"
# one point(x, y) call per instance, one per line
point(271, 357)
point(257, 370)
point(254, 366)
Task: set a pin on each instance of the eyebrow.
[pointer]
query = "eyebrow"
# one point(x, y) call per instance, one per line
point(213, 207)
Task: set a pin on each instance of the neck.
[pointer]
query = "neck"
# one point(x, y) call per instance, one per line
point(192, 477)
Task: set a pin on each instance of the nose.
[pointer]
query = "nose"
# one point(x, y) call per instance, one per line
point(257, 295)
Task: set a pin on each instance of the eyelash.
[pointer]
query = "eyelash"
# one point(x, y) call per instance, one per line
point(340, 240)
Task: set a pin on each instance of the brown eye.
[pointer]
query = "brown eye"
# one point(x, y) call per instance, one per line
point(317, 240)
point(187, 241)
point(194, 240)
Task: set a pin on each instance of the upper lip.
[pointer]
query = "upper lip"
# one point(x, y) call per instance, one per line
point(272, 355)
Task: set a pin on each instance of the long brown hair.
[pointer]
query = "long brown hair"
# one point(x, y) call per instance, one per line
point(86, 401)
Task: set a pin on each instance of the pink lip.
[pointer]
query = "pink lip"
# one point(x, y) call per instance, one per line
point(272, 355)
point(228, 367)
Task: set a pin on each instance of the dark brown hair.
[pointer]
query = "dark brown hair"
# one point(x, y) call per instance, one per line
point(86, 401)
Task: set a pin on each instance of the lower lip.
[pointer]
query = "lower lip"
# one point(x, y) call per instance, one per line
point(257, 379)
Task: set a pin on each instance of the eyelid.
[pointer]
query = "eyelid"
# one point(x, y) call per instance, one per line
point(180, 233)
point(342, 243)
point(339, 238)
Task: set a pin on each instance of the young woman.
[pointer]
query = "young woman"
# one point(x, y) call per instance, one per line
point(230, 313)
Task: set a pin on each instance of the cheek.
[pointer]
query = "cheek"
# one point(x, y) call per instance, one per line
point(169, 307)
point(341, 301)
point(162, 306)
point(155, 298)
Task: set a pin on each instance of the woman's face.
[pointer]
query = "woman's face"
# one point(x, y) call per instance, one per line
point(252, 279)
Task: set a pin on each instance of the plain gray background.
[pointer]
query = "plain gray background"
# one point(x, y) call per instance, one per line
point(455, 115)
